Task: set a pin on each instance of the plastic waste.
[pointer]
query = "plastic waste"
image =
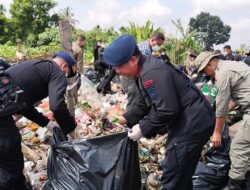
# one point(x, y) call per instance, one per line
point(41, 132)
point(88, 93)
point(212, 174)
point(92, 75)
point(103, 163)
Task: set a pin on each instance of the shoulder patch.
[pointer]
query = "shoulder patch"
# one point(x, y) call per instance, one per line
point(149, 87)
point(152, 92)
point(147, 83)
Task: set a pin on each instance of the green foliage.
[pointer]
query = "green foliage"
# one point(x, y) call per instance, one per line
point(141, 33)
point(211, 28)
point(30, 18)
point(31, 39)
point(66, 14)
point(50, 35)
point(41, 50)
point(178, 47)
point(94, 35)
point(2, 9)
point(2, 28)
point(7, 51)
point(5, 34)
point(48, 41)
point(9, 43)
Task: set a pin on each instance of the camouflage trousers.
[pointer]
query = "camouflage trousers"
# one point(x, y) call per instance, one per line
point(240, 149)
point(72, 95)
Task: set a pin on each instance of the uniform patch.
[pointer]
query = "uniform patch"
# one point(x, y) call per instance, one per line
point(5, 81)
point(152, 92)
point(148, 83)
point(149, 87)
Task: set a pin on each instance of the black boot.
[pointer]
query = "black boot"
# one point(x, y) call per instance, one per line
point(234, 184)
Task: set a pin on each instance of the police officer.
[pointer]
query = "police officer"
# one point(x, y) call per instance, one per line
point(233, 83)
point(146, 48)
point(4, 65)
point(171, 97)
point(38, 79)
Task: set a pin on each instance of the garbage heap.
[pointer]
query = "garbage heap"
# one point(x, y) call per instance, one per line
point(95, 115)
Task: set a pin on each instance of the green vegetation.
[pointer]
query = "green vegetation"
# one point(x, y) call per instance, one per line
point(34, 32)
point(178, 47)
point(211, 28)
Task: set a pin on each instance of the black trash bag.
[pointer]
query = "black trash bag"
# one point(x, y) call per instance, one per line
point(92, 75)
point(58, 136)
point(103, 163)
point(47, 186)
point(212, 174)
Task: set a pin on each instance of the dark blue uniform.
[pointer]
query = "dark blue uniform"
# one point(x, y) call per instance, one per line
point(170, 97)
point(4, 65)
point(38, 80)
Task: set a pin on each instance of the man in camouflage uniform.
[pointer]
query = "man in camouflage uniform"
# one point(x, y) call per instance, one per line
point(77, 48)
point(233, 83)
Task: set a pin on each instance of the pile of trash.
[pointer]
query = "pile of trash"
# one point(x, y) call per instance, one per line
point(95, 115)
point(35, 146)
point(37, 140)
point(151, 153)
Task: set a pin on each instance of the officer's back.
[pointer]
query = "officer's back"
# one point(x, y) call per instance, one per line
point(195, 114)
point(35, 77)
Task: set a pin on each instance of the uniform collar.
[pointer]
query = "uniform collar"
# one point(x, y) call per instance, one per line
point(141, 62)
point(76, 43)
point(219, 65)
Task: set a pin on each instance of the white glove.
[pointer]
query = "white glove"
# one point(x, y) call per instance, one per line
point(135, 133)
point(50, 126)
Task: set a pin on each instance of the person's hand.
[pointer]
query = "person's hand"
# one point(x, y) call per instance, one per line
point(17, 117)
point(135, 133)
point(216, 139)
point(51, 125)
point(72, 135)
point(122, 120)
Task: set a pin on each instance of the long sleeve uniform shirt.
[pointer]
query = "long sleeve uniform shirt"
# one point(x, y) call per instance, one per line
point(233, 82)
point(38, 80)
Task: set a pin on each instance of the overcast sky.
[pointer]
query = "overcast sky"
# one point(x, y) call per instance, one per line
point(118, 13)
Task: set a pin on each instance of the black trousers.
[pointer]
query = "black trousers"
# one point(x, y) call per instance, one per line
point(181, 161)
point(11, 157)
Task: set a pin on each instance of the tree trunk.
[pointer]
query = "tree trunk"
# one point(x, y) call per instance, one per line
point(65, 36)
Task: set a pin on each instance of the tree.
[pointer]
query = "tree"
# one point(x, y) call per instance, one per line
point(2, 9)
point(211, 29)
point(49, 36)
point(2, 28)
point(94, 35)
point(3, 25)
point(30, 18)
point(66, 14)
point(141, 33)
point(177, 48)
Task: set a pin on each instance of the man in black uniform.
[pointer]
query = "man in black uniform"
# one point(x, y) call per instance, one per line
point(170, 97)
point(38, 79)
point(4, 65)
